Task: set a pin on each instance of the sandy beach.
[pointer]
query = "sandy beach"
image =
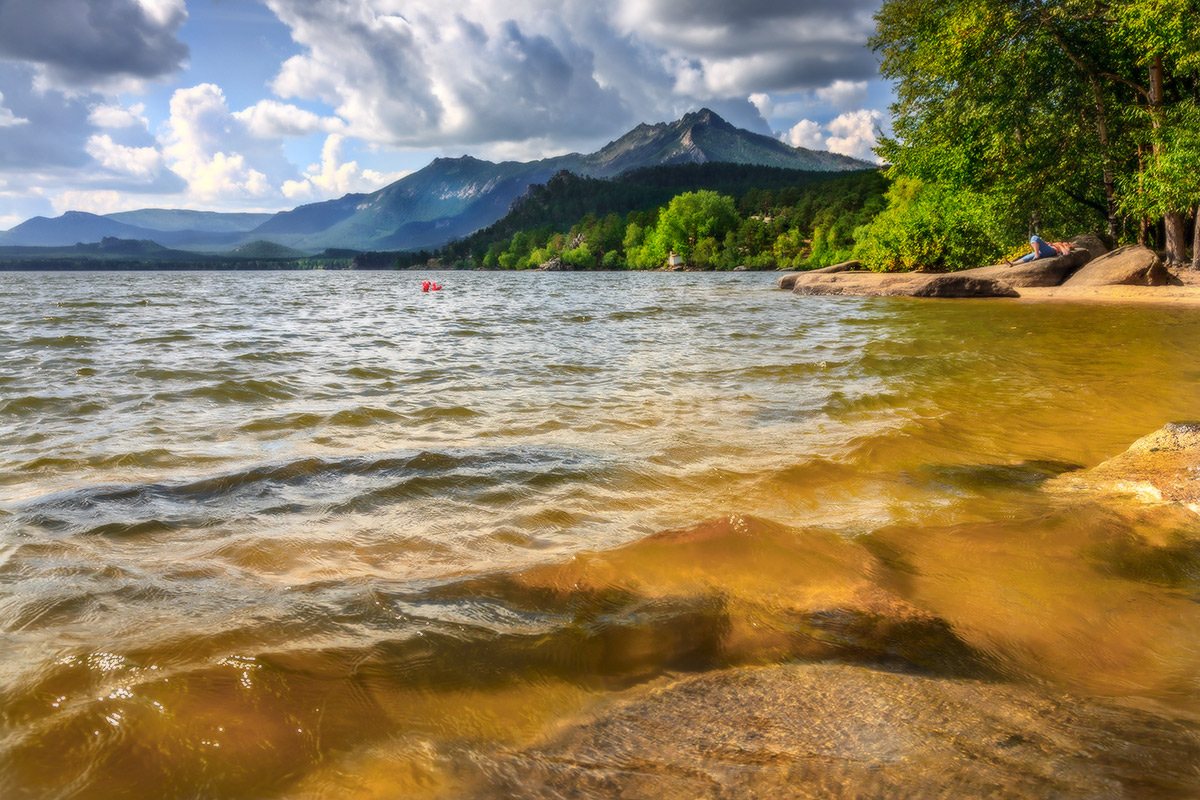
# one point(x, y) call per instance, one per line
point(1183, 290)
point(1158, 295)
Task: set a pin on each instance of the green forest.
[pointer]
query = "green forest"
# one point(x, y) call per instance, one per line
point(752, 217)
point(1055, 118)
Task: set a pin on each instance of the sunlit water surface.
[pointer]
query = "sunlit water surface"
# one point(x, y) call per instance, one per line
point(279, 534)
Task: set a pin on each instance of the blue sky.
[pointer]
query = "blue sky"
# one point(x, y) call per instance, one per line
point(237, 105)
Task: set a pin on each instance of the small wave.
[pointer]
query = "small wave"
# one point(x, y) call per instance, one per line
point(363, 415)
point(82, 304)
point(336, 485)
point(287, 422)
point(66, 341)
point(168, 374)
point(270, 356)
point(641, 313)
point(156, 457)
point(170, 337)
point(67, 406)
point(437, 413)
point(234, 391)
point(371, 373)
point(31, 404)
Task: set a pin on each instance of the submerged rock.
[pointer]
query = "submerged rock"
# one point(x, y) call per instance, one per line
point(1161, 467)
point(904, 284)
point(1133, 265)
point(734, 590)
point(837, 731)
point(1039, 272)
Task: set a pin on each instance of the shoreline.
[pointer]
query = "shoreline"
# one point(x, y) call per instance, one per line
point(1182, 291)
point(1179, 296)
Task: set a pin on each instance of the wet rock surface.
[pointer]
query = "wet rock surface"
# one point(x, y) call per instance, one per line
point(1161, 467)
point(838, 731)
point(729, 591)
point(907, 284)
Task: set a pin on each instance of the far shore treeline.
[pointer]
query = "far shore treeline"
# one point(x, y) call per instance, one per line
point(1054, 118)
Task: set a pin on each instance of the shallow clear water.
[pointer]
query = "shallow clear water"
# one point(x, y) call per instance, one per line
point(276, 534)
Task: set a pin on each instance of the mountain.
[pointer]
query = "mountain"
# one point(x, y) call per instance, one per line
point(178, 219)
point(453, 197)
point(70, 228)
point(80, 226)
point(448, 199)
point(702, 137)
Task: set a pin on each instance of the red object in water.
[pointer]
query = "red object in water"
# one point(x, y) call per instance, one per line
point(435, 287)
point(424, 286)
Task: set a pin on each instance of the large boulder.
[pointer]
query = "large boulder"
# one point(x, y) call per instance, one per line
point(955, 284)
point(903, 284)
point(1132, 265)
point(1039, 272)
point(838, 731)
point(1092, 243)
point(1161, 467)
point(789, 281)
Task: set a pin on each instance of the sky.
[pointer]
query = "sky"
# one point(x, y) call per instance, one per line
point(263, 105)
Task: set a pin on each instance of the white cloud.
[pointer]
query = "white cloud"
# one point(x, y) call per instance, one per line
point(844, 94)
point(202, 146)
point(271, 119)
point(118, 116)
point(806, 133)
point(103, 201)
point(7, 118)
point(854, 133)
point(447, 74)
point(136, 162)
point(763, 102)
point(333, 178)
point(163, 12)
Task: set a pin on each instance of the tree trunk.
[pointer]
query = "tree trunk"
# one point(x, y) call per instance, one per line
point(1172, 221)
point(1110, 193)
point(1196, 242)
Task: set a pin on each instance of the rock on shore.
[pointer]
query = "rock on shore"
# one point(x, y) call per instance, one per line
point(838, 731)
point(1039, 272)
point(905, 284)
point(1088, 265)
point(1133, 265)
point(1161, 467)
point(789, 281)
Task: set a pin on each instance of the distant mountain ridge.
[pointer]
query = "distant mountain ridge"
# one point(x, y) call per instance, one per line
point(448, 199)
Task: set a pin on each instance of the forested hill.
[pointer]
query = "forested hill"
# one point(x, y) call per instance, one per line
point(737, 215)
point(567, 198)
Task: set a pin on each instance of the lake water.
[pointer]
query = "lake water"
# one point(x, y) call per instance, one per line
point(322, 534)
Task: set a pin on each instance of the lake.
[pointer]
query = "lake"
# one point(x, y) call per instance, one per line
point(323, 534)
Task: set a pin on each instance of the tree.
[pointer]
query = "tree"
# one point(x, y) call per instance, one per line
point(1050, 108)
point(692, 217)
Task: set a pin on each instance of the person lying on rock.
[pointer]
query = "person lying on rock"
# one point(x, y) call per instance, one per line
point(1042, 249)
